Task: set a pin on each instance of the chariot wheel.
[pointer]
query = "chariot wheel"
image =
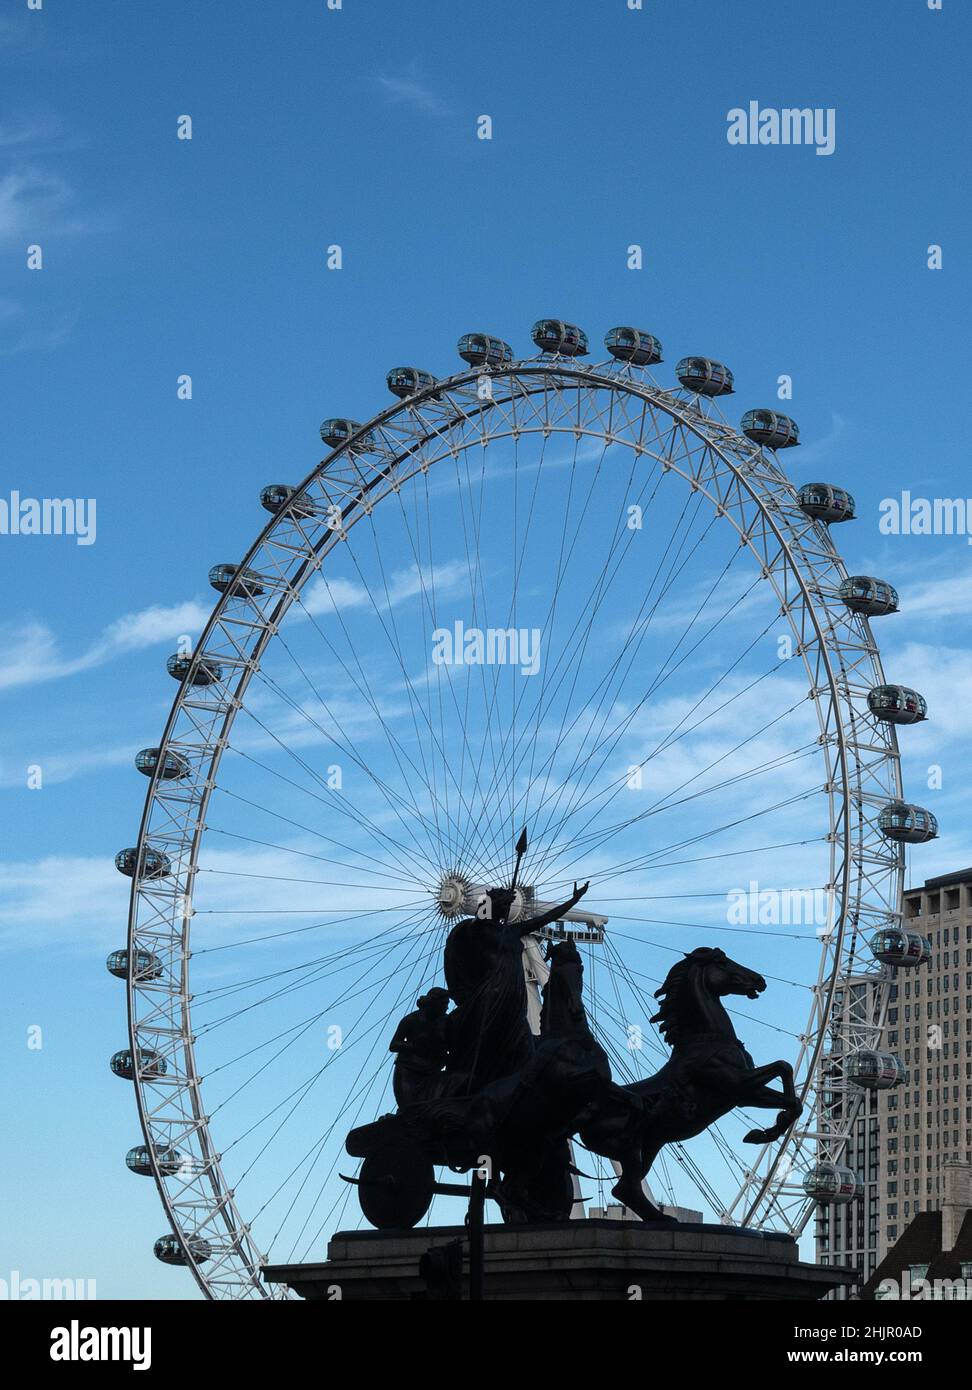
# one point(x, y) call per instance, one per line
point(533, 592)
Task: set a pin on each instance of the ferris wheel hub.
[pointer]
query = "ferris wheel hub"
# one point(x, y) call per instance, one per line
point(457, 897)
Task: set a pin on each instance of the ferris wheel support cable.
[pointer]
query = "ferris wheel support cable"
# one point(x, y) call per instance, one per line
point(359, 762)
point(620, 729)
point(435, 835)
point(418, 854)
point(667, 743)
point(383, 869)
point(303, 1090)
point(294, 987)
point(665, 804)
point(408, 986)
point(606, 702)
point(502, 765)
point(560, 736)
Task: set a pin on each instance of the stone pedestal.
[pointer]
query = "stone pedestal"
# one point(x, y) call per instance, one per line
point(590, 1260)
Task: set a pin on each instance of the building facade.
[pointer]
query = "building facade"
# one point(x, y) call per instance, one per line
point(926, 1122)
point(906, 1135)
point(847, 1234)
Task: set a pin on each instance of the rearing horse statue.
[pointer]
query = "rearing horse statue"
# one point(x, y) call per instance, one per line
point(709, 1074)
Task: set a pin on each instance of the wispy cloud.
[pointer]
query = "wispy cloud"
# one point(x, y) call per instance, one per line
point(818, 450)
point(39, 128)
point(20, 35)
point(35, 203)
point(410, 92)
point(43, 333)
point(62, 767)
point(30, 653)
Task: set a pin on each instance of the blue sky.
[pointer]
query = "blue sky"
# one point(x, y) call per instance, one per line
point(208, 257)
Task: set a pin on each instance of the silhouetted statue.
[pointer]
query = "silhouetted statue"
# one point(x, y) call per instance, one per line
point(420, 1048)
point(487, 1032)
point(708, 1074)
point(476, 1086)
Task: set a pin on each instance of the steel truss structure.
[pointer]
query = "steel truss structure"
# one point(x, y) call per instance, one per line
point(749, 491)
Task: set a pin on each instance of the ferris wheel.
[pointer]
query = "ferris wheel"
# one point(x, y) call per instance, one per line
point(542, 593)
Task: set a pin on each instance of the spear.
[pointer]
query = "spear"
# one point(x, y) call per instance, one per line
point(521, 848)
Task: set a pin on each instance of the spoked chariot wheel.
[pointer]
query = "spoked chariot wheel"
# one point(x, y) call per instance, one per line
point(534, 593)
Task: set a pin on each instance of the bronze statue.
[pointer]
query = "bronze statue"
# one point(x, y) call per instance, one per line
point(475, 1084)
point(420, 1048)
point(487, 1032)
point(709, 1074)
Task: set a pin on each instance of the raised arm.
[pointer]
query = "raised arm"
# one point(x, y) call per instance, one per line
point(533, 924)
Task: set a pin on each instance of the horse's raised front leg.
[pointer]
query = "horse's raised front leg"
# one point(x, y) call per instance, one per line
point(765, 1098)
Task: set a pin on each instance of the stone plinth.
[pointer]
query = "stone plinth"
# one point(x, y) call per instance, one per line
point(591, 1260)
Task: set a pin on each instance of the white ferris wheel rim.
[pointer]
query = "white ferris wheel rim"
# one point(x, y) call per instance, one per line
point(796, 555)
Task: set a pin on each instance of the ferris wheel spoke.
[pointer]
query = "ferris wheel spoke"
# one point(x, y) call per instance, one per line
point(396, 802)
point(355, 914)
point(415, 932)
point(611, 740)
point(596, 837)
point(665, 803)
point(328, 803)
point(468, 800)
point(309, 973)
point(420, 967)
point(416, 851)
point(651, 689)
point(508, 748)
point(679, 553)
point(416, 707)
point(601, 691)
point(338, 1054)
point(495, 848)
point(380, 868)
point(652, 859)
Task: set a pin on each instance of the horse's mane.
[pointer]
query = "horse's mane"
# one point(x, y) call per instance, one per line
point(672, 991)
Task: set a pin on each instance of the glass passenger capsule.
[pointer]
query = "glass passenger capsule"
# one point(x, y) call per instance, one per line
point(244, 582)
point(895, 946)
point(151, 1063)
point(896, 704)
point(147, 965)
point(705, 377)
point(825, 502)
point(139, 1160)
point(559, 338)
point(406, 381)
point(480, 350)
point(336, 432)
point(206, 671)
point(155, 864)
point(769, 428)
point(875, 1071)
point(168, 1249)
point(831, 1182)
point(174, 765)
point(872, 597)
point(276, 497)
point(907, 825)
point(633, 345)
